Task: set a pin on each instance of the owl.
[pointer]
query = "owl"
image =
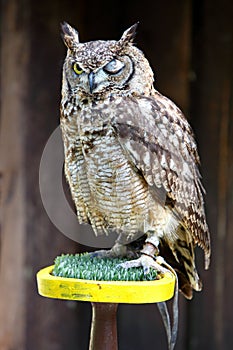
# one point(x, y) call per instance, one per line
point(131, 160)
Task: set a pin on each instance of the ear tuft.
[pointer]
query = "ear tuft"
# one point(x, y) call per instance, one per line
point(129, 35)
point(69, 35)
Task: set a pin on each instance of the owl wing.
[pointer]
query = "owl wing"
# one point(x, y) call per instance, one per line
point(159, 143)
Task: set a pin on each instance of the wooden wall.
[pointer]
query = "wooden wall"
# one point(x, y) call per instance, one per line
point(190, 46)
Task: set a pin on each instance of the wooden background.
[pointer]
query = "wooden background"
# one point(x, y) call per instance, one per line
point(190, 45)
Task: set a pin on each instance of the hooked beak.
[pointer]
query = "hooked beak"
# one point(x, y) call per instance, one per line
point(91, 79)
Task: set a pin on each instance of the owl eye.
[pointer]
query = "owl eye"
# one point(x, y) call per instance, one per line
point(77, 69)
point(114, 67)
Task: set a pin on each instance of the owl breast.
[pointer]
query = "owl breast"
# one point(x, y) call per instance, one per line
point(119, 197)
point(108, 190)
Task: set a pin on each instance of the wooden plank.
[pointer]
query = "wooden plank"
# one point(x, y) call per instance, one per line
point(212, 115)
point(14, 54)
point(166, 39)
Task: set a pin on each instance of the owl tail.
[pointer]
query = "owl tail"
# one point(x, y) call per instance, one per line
point(180, 255)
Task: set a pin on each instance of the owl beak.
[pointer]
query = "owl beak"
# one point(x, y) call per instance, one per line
point(91, 79)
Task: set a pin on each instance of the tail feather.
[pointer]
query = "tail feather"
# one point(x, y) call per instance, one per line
point(180, 255)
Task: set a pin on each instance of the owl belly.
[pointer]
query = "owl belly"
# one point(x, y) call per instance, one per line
point(119, 197)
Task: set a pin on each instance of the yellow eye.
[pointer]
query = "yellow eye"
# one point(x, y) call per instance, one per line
point(78, 70)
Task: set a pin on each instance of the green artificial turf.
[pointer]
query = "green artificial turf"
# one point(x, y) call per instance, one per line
point(99, 269)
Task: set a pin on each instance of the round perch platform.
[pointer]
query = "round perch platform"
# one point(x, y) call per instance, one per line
point(104, 296)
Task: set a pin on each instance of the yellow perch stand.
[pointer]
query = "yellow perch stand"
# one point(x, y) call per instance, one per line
point(104, 296)
point(104, 291)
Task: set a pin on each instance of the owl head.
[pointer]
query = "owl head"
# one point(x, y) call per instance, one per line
point(98, 67)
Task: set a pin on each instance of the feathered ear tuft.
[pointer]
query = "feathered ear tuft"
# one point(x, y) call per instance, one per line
point(128, 35)
point(69, 35)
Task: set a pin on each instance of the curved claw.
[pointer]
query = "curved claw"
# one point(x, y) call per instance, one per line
point(118, 250)
point(146, 262)
point(101, 254)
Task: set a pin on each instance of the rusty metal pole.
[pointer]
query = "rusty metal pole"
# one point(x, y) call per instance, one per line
point(103, 334)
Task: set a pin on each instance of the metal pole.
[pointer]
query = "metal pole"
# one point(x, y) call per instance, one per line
point(103, 334)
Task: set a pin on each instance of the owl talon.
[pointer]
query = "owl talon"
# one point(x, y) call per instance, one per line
point(117, 251)
point(101, 254)
point(98, 254)
point(146, 262)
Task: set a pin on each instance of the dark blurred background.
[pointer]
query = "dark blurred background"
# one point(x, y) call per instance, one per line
point(190, 46)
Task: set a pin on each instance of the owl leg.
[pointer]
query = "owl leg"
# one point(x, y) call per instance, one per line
point(118, 250)
point(149, 257)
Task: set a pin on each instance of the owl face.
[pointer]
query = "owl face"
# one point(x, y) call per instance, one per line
point(93, 67)
point(97, 67)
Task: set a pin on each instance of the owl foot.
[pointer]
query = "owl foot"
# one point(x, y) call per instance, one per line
point(148, 258)
point(117, 251)
point(146, 262)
